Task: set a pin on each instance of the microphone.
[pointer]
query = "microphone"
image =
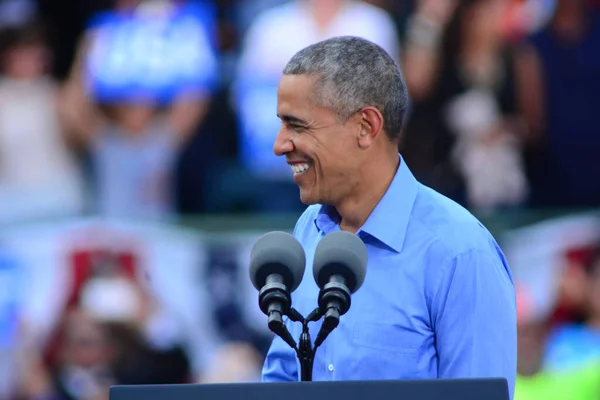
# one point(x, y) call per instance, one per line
point(277, 264)
point(339, 269)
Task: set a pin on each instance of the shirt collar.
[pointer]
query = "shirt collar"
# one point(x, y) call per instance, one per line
point(389, 220)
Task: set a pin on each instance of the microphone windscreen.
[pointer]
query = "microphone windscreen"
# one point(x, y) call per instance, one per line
point(341, 253)
point(279, 253)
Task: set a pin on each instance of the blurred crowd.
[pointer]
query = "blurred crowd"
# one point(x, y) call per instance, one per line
point(153, 110)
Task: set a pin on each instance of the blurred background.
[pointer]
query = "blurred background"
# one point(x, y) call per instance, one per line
point(136, 171)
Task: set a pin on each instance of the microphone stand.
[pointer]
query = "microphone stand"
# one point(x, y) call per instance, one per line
point(275, 302)
point(305, 351)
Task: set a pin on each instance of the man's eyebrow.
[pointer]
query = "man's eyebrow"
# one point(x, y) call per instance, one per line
point(291, 119)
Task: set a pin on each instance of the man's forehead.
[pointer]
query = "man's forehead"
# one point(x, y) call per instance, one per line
point(296, 100)
point(294, 93)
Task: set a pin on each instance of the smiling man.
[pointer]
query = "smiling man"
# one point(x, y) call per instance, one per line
point(438, 300)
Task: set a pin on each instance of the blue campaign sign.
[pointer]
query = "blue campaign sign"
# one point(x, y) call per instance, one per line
point(153, 55)
point(11, 286)
point(258, 123)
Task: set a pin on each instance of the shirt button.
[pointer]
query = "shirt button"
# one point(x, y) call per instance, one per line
point(330, 367)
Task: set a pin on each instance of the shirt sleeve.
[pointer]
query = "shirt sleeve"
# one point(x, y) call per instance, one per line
point(475, 320)
point(281, 362)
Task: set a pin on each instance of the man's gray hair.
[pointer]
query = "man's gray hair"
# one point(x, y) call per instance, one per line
point(354, 73)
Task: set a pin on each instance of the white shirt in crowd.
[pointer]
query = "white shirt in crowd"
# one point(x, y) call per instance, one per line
point(39, 177)
point(280, 32)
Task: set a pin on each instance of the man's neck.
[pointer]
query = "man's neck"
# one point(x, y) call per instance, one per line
point(375, 181)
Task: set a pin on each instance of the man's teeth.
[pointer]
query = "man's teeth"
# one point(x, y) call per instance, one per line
point(300, 168)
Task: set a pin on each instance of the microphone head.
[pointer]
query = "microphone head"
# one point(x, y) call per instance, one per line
point(277, 253)
point(344, 254)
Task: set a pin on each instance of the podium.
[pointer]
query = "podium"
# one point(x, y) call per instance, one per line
point(426, 389)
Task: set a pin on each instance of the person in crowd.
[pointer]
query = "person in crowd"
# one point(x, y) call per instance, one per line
point(40, 175)
point(133, 138)
point(559, 76)
point(463, 133)
point(560, 362)
point(114, 334)
point(574, 344)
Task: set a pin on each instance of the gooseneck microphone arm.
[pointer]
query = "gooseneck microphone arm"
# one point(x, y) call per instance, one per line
point(305, 351)
point(275, 301)
point(336, 305)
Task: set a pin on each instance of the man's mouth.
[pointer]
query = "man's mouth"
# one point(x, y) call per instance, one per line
point(300, 168)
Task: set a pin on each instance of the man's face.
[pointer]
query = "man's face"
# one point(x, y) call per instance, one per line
point(323, 153)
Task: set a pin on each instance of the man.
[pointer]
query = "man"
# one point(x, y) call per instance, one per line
point(438, 300)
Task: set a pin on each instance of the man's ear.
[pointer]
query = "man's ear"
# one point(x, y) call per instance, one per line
point(371, 126)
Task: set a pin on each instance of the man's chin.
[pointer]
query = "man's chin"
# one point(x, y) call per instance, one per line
point(307, 198)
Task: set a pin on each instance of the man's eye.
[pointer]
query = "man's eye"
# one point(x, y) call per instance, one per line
point(296, 128)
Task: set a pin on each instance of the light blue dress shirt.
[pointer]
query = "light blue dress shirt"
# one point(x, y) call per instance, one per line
point(438, 299)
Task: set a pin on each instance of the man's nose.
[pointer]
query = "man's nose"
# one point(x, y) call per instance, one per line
point(283, 143)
